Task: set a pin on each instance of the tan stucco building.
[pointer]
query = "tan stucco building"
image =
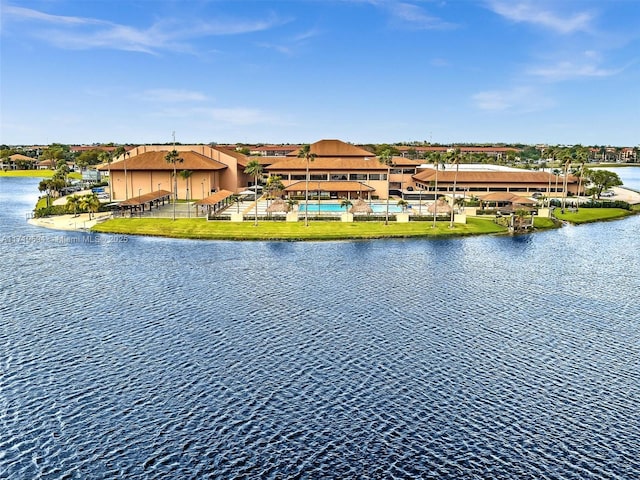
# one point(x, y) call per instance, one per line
point(144, 169)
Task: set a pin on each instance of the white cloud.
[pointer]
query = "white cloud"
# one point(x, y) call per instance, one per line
point(78, 33)
point(416, 17)
point(166, 95)
point(290, 46)
point(536, 14)
point(519, 99)
point(566, 70)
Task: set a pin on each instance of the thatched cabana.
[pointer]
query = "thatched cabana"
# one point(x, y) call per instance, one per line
point(440, 206)
point(360, 206)
point(278, 206)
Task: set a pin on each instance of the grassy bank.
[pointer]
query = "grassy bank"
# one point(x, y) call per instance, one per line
point(201, 229)
point(36, 173)
point(589, 215)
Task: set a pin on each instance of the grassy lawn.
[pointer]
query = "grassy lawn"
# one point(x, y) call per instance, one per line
point(544, 223)
point(36, 173)
point(201, 229)
point(588, 215)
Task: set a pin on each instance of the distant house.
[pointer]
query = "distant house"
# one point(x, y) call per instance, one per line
point(17, 161)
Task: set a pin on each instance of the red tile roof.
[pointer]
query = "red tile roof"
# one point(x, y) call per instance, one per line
point(335, 148)
point(329, 186)
point(467, 176)
point(155, 160)
point(215, 198)
point(327, 163)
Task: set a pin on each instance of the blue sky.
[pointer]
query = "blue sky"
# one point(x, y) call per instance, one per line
point(84, 71)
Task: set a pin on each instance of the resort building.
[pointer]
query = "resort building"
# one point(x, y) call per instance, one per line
point(341, 170)
point(201, 171)
point(478, 183)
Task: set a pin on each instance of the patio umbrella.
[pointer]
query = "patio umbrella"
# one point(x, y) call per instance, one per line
point(360, 206)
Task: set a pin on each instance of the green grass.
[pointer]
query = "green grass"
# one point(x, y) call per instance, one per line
point(36, 173)
point(542, 223)
point(201, 229)
point(589, 215)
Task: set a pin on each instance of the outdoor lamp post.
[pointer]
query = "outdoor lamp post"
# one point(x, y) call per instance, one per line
point(159, 186)
point(202, 183)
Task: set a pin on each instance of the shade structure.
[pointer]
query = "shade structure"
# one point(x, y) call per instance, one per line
point(440, 206)
point(277, 206)
point(360, 206)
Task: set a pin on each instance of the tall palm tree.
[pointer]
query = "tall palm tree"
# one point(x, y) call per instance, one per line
point(173, 158)
point(305, 152)
point(386, 158)
point(565, 181)
point(454, 158)
point(186, 174)
point(123, 151)
point(438, 160)
point(254, 168)
point(582, 156)
point(105, 157)
point(346, 203)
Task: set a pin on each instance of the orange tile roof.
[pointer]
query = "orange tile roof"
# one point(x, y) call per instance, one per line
point(147, 197)
point(329, 186)
point(327, 163)
point(215, 198)
point(155, 160)
point(507, 197)
point(335, 148)
point(466, 176)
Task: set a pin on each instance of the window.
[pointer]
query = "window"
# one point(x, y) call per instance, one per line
point(338, 176)
point(358, 176)
point(298, 177)
point(377, 176)
point(318, 176)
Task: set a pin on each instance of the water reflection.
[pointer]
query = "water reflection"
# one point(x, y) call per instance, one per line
point(494, 357)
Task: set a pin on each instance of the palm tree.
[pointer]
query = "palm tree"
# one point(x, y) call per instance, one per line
point(346, 203)
point(174, 158)
point(402, 203)
point(186, 174)
point(438, 160)
point(90, 203)
point(292, 203)
point(105, 157)
point(565, 180)
point(305, 152)
point(454, 158)
point(123, 151)
point(254, 168)
point(582, 155)
point(73, 201)
point(386, 158)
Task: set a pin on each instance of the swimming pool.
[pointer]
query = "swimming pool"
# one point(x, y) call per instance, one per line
point(313, 208)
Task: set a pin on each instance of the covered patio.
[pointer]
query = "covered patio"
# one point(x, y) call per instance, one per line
point(215, 202)
point(145, 202)
point(330, 189)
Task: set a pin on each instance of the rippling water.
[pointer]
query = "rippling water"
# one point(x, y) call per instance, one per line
point(515, 357)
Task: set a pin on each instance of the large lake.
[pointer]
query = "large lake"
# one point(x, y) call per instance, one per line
point(489, 357)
